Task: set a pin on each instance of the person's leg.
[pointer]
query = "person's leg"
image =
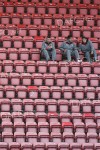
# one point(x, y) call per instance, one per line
point(68, 53)
point(87, 56)
point(95, 55)
point(53, 53)
point(76, 54)
point(46, 54)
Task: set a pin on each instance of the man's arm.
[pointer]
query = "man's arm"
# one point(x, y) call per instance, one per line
point(62, 46)
point(43, 46)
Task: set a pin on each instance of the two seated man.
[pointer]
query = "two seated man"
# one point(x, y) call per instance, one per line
point(70, 49)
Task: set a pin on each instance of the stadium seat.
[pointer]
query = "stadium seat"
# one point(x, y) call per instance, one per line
point(17, 116)
point(61, 8)
point(41, 117)
point(77, 117)
point(19, 137)
point(1, 91)
point(43, 137)
point(2, 29)
point(92, 138)
point(63, 105)
point(16, 104)
point(78, 92)
point(79, 127)
point(86, 106)
point(75, 106)
point(76, 32)
point(44, 30)
point(40, 105)
point(54, 31)
point(31, 136)
point(79, 20)
point(47, 19)
point(5, 105)
point(30, 66)
point(71, 79)
point(35, 53)
point(82, 80)
point(26, 19)
point(9, 91)
point(94, 80)
point(65, 31)
point(86, 67)
point(53, 117)
point(11, 29)
point(68, 137)
point(80, 137)
point(91, 127)
point(19, 127)
point(37, 19)
point(97, 146)
point(6, 41)
point(75, 67)
point(17, 41)
point(26, 79)
point(96, 104)
point(21, 91)
point(16, 18)
point(56, 137)
point(53, 67)
point(96, 31)
point(39, 145)
point(67, 92)
point(28, 105)
point(13, 53)
point(88, 117)
point(3, 80)
point(7, 137)
point(29, 116)
point(64, 67)
point(38, 41)
point(51, 105)
point(65, 117)
point(90, 21)
point(8, 66)
point(43, 127)
point(67, 127)
point(14, 145)
point(51, 145)
point(63, 146)
point(57, 18)
point(26, 145)
point(6, 116)
point(55, 127)
point(37, 79)
point(32, 30)
point(41, 8)
point(15, 78)
point(19, 6)
point(98, 20)
point(19, 66)
point(86, 146)
point(90, 92)
point(75, 146)
point(7, 126)
point(48, 79)
point(60, 79)
point(86, 31)
point(56, 92)
point(83, 9)
point(5, 18)
point(21, 30)
point(51, 8)
point(93, 9)
point(23, 54)
point(28, 42)
point(30, 8)
point(95, 67)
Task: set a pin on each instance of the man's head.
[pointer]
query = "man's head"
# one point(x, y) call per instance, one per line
point(69, 38)
point(48, 40)
point(84, 39)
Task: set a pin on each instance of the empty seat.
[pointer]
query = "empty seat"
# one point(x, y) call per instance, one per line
point(19, 7)
point(67, 127)
point(90, 21)
point(96, 105)
point(16, 18)
point(65, 117)
point(19, 137)
point(11, 30)
point(79, 127)
point(90, 92)
point(35, 54)
point(41, 117)
point(75, 106)
point(43, 137)
point(31, 137)
point(21, 29)
point(67, 92)
point(7, 126)
point(2, 30)
point(15, 78)
point(75, 67)
point(6, 116)
point(63, 146)
point(86, 106)
point(56, 137)
point(47, 19)
point(51, 105)
point(5, 18)
point(19, 66)
point(44, 30)
point(53, 67)
point(63, 105)
point(77, 117)
point(72, 9)
point(56, 92)
point(94, 80)
point(91, 127)
point(13, 53)
point(26, 19)
point(17, 41)
point(44, 92)
point(51, 8)
point(82, 80)
point(5, 105)
point(3, 146)
point(95, 67)
point(62, 8)
point(57, 18)
point(78, 92)
point(4, 79)
point(97, 146)
point(86, 67)
point(98, 20)
point(29, 117)
point(87, 146)
point(92, 138)
point(30, 7)
point(88, 117)
point(76, 31)
point(24, 54)
point(83, 9)
point(71, 79)
point(17, 117)
point(14, 145)
point(28, 42)
point(33, 30)
point(6, 41)
point(26, 79)
point(55, 127)
point(10, 91)
point(80, 137)
point(48, 79)
point(31, 127)
point(30, 66)
point(1, 91)
point(28, 105)
point(43, 127)
point(41, 8)
point(79, 20)
point(64, 67)
point(37, 19)
point(16, 104)
point(26, 145)
point(51, 145)
point(53, 117)
point(38, 41)
point(75, 146)
point(54, 31)
point(21, 91)
point(39, 145)
point(37, 78)
point(42, 66)
point(68, 137)
point(32, 91)
point(86, 31)
point(19, 127)
point(8, 66)
point(40, 105)
point(93, 9)
point(65, 31)
point(60, 79)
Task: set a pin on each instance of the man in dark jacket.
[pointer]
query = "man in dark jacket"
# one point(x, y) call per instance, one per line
point(87, 48)
point(70, 49)
point(48, 49)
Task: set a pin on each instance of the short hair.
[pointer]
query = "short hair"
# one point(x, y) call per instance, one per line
point(69, 36)
point(84, 37)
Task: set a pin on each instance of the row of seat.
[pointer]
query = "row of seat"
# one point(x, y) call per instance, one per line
point(48, 19)
point(36, 42)
point(50, 105)
point(49, 79)
point(51, 8)
point(64, 67)
point(53, 137)
point(54, 92)
point(44, 30)
point(48, 146)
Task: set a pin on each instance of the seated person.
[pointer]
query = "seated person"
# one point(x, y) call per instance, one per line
point(87, 48)
point(70, 49)
point(48, 49)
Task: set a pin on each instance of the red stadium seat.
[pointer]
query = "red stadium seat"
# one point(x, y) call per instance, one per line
point(33, 91)
point(28, 105)
point(41, 117)
point(79, 127)
point(92, 138)
point(5, 18)
point(26, 79)
point(67, 92)
point(79, 20)
point(72, 9)
point(16, 105)
point(43, 137)
point(83, 9)
point(41, 8)
point(6, 41)
point(37, 19)
point(40, 105)
point(51, 105)
point(53, 117)
point(38, 41)
point(23, 53)
point(71, 79)
point(96, 31)
point(8, 66)
point(94, 80)
point(39, 145)
point(82, 80)
point(90, 92)
point(58, 19)
point(17, 41)
point(51, 145)
point(48, 79)
point(68, 137)
point(86, 67)
point(90, 20)
point(65, 117)
point(75, 67)
point(14, 145)
point(65, 31)
point(78, 92)
point(93, 9)
point(13, 53)
point(30, 8)
point(19, 137)
point(64, 67)
point(56, 137)
point(96, 104)
point(31, 136)
point(47, 19)
point(16, 18)
point(17, 116)
point(37, 79)
point(10, 91)
point(53, 66)
point(43, 127)
point(51, 8)
point(28, 42)
point(98, 20)
point(35, 53)
point(21, 91)
point(67, 127)
point(88, 117)
point(75, 106)
point(54, 31)
point(63, 105)
point(63, 146)
point(4, 79)
point(7, 137)
point(60, 79)
point(86, 31)
point(86, 146)
point(44, 30)
point(5, 105)
point(15, 78)
point(20, 7)
point(80, 137)
point(26, 19)
point(7, 126)
point(61, 8)
point(19, 127)
point(29, 116)
point(26, 145)
point(76, 117)
point(19, 66)
point(56, 92)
